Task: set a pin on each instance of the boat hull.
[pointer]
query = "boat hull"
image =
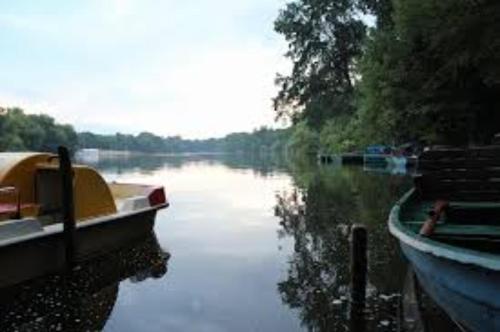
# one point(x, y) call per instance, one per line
point(469, 294)
point(45, 252)
point(463, 281)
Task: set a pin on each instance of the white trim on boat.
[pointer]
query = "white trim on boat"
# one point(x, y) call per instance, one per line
point(58, 228)
point(439, 249)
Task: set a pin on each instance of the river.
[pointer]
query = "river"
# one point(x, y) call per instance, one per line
point(247, 244)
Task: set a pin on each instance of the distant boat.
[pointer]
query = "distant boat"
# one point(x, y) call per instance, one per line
point(34, 213)
point(449, 229)
point(90, 156)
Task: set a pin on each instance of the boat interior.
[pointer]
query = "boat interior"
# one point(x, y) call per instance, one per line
point(457, 197)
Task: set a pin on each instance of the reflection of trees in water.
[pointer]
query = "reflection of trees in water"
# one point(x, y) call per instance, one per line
point(129, 163)
point(318, 214)
point(314, 285)
point(83, 299)
point(260, 164)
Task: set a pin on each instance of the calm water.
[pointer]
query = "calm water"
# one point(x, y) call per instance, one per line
point(247, 245)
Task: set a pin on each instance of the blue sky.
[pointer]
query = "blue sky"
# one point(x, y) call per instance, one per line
point(198, 68)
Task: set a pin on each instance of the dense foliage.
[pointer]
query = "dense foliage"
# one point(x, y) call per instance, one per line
point(324, 37)
point(39, 132)
point(34, 132)
point(262, 140)
point(409, 70)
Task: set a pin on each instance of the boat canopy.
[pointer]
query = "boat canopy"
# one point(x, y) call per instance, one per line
point(34, 176)
point(18, 170)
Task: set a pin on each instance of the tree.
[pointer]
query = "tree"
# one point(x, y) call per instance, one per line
point(262, 140)
point(324, 38)
point(22, 132)
point(435, 75)
point(425, 70)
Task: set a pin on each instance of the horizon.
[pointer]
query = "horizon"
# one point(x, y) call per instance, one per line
point(173, 69)
point(185, 138)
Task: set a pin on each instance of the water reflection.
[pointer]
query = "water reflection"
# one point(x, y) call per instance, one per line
point(83, 299)
point(232, 273)
point(318, 215)
point(262, 165)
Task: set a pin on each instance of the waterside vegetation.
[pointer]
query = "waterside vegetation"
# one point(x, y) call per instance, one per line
point(389, 72)
point(363, 72)
point(39, 132)
point(262, 140)
point(33, 132)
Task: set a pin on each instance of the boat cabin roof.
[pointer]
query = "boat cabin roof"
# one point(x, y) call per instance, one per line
point(9, 161)
point(31, 174)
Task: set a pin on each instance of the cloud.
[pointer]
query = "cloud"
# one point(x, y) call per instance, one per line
point(204, 95)
point(198, 69)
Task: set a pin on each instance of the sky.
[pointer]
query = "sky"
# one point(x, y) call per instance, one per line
point(195, 68)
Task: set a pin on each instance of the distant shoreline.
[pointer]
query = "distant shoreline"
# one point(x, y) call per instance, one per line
point(127, 153)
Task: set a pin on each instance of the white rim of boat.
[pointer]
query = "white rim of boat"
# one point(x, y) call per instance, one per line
point(58, 228)
point(436, 248)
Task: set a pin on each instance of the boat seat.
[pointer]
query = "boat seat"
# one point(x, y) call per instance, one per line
point(467, 230)
point(443, 229)
point(9, 210)
point(6, 208)
point(10, 207)
point(484, 213)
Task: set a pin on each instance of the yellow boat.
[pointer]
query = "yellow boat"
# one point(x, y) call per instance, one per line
point(48, 221)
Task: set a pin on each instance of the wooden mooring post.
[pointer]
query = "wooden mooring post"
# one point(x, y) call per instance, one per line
point(359, 269)
point(68, 205)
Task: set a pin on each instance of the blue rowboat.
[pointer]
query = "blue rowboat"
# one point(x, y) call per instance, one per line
point(448, 227)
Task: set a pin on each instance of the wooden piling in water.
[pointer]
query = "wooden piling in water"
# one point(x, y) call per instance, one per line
point(359, 268)
point(68, 205)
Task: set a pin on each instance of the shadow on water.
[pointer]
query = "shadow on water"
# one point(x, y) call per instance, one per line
point(83, 299)
point(419, 313)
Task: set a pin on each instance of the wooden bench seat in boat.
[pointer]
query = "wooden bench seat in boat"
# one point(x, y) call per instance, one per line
point(11, 209)
point(482, 213)
point(468, 230)
point(444, 229)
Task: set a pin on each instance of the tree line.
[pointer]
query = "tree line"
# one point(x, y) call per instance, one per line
point(38, 132)
point(33, 132)
point(364, 72)
point(390, 72)
point(262, 140)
